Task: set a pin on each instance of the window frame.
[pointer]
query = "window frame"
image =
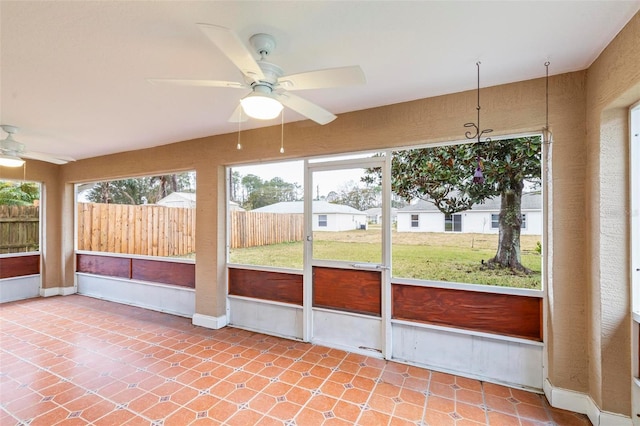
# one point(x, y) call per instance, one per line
point(415, 223)
point(634, 199)
point(323, 220)
point(538, 292)
point(145, 256)
point(452, 222)
point(40, 219)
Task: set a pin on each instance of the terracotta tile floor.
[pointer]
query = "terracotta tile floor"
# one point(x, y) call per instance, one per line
point(75, 360)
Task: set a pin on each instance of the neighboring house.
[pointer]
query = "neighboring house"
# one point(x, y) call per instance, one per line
point(326, 216)
point(480, 219)
point(179, 199)
point(374, 215)
point(188, 199)
point(233, 206)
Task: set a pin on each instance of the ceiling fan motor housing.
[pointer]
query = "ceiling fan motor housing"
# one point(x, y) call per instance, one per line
point(271, 72)
point(263, 43)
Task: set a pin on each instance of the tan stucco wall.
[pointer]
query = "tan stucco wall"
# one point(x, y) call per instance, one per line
point(586, 336)
point(613, 85)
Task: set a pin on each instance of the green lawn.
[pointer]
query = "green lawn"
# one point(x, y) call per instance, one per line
point(430, 256)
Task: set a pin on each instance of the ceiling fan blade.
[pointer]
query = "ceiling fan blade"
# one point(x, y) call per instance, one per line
point(238, 115)
point(55, 159)
point(234, 49)
point(200, 83)
point(320, 79)
point(306, 108)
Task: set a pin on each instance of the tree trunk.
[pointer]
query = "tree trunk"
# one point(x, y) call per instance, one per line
point(508, 254)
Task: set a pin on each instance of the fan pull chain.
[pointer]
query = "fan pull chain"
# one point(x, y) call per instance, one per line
point(547, 132)
point(282, 132)
point(239, 145)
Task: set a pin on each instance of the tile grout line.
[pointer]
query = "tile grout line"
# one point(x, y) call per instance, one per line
point(66, 380)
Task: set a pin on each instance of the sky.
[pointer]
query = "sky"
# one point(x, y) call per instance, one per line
point(293, 172)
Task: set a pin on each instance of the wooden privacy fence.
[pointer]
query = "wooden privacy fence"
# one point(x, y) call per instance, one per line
point(170, 231)
point(136, 229)
point(19, 229)
point(249, 229)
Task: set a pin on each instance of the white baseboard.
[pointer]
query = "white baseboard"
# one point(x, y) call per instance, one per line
point(582, 403)
point(58, 291)
point(208, 321)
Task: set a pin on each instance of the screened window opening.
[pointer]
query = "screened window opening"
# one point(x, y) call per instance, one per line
point(266, 210)
point(322, 220)
point(146, 216)
point(456, 238)
point(19, 217)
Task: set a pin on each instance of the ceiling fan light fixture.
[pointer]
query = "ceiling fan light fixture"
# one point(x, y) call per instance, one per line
point(261, 106)
point(10, 161)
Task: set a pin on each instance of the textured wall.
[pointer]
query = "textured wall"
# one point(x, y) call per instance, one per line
point(584, 318)
point(613, 85)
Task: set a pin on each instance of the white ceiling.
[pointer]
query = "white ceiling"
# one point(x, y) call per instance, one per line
point(73, 74)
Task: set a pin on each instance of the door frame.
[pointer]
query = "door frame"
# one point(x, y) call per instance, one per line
point(384, 162)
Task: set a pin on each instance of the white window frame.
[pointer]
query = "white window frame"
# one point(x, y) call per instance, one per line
point(453, 222)
point(415, 223)
point(495, 223)
point(40, 219)
point(634, 184)
point(323, 223)
point(634, 219)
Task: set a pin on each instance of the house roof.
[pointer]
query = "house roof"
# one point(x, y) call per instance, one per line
point(189, 197)
point(319, 207)
point(63, 62)
point(378, 210)
point(531, 201)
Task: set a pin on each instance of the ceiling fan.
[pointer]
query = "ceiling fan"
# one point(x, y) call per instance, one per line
point(12, 152)
point(270, 89)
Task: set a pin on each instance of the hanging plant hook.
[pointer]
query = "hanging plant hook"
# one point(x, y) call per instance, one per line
point(478, 133)
point(477, 175)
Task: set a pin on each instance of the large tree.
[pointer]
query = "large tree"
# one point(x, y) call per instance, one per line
point(444, 176)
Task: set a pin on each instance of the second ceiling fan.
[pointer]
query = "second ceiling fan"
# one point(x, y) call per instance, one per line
point(270, 89)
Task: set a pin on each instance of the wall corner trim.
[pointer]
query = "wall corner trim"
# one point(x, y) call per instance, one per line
point(58, 291)
point(582, 403)
point(208, 321)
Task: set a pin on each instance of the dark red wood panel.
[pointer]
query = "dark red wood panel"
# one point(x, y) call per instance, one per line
point(104, 265)
point(276, 286)
point(347, 290)
point(19, 266)
point(159, 271)
point(518, 316)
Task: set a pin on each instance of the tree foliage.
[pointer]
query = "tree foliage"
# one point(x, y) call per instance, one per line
point(444, 176)
point(360, 198)
point(19, 193)
point(148, 189)
point(252, 192)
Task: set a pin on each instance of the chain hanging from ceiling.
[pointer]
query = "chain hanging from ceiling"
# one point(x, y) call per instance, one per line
point(478, 177)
